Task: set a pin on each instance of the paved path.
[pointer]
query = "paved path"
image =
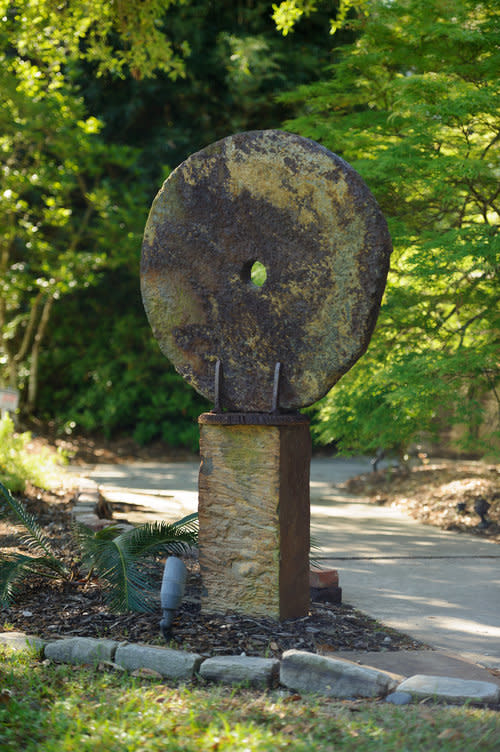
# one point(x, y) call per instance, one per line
point(441, 587)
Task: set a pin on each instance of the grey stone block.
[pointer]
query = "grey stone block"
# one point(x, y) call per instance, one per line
point(241, 669)
point(91, 520)
point(308, 672)
point(87, 484)
point(88, 497)
point(21, 641)
point(84, 517)
point(173, 664)
point(80, 650)
point(448, 689)
point(85, 508)
point(399, 698)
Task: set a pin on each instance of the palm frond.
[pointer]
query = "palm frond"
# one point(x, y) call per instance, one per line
point(155, 537)
point(12, 570)
point(15, 567)
point(128, 589)
point(116, 556)
point(92, 542)
point(190, 522)
point(314, 545)
point(33, 536)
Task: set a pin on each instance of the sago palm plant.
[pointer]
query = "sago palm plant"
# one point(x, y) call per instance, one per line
point(14, 567)
point(118, 558)
point(115, 556)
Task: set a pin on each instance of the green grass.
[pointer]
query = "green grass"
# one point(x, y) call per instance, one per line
point(65, 708)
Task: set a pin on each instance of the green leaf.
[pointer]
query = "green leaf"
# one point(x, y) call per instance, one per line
point(32, 537)
point(12, 570)
point(16, 567)
point(127, 587)
point(414, 105)
point(116, 557)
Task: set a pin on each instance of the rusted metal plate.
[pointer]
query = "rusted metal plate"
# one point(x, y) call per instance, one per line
point(309, 219)
point(252, 419)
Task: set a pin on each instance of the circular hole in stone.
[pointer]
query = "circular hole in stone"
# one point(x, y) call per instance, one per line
point(258, 274)
point(254, 272)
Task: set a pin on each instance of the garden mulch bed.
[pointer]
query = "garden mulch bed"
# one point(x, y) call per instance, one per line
point(78, 608)
point(439, 493)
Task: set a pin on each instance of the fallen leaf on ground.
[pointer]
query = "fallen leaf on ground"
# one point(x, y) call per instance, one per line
point(5, 696)
point(450, 734)
point(147, 673)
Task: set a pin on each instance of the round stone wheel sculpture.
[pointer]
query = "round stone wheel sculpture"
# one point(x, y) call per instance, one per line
point(264, 248)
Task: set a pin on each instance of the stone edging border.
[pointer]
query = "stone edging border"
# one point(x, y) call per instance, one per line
point(298, 671)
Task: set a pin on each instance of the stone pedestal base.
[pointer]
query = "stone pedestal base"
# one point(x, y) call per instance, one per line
point(254, 514)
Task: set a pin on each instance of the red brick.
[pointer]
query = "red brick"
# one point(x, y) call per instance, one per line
point(323, 578)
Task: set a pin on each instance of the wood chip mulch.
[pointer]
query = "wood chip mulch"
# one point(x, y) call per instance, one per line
point(52, 609)
point(79, 609)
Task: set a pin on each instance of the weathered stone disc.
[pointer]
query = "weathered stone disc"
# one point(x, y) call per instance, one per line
point(310, 220)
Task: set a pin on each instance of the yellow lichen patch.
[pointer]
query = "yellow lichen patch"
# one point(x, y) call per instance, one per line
point(306, 189)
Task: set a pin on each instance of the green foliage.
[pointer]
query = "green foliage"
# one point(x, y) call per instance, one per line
point(288, 13)
point(105, 372)
point(117, 37)
point(19, 465)
point(16, 566)
point(414, 106)
point(118, 558)
point(237, 64)
point(64, 213)
point(103, 554)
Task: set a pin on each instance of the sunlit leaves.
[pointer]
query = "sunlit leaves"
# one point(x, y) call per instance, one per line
point(117, 37)
point(288, 13)
point(58, 206)
point(414, 105)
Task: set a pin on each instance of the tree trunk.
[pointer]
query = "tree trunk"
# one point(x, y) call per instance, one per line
point(35, 352)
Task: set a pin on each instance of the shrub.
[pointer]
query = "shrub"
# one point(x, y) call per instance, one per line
point(18, 464)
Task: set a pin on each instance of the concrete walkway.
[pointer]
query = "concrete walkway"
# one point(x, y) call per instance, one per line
point(440, 587)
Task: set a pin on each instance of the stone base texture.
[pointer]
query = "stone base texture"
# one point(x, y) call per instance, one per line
point(254, 516)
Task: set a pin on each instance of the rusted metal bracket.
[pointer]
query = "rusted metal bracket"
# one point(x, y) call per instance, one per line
point(275, 408)
point(276, 388)
point(218, 387)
